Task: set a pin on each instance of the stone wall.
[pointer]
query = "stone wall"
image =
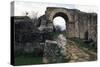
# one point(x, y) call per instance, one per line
point(55, 51)
point(78, 23)
point(38, 35)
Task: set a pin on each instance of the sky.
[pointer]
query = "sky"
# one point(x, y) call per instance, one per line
point(38, 9)
point(59, 21)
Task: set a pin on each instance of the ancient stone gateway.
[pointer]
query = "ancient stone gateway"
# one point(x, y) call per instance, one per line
point(59, 53)
point(78, 23)
point(54, 12)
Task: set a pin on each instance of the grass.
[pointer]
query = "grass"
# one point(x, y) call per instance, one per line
point(32, 58)
point(22, 58)
point(56, 34)
point(25, 60)
point(79, 42)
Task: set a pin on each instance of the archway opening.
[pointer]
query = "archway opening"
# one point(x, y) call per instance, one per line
point(64, 16)
point(60, 22)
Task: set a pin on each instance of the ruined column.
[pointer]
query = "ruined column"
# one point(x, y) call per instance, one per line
point(76, 25)
point(81, 25)
point(62, 43)
point(71, 29)
point(56, 51)
point(51, 52)
point(94, 27)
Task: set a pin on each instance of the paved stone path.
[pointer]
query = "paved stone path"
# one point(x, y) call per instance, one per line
point(78, 54)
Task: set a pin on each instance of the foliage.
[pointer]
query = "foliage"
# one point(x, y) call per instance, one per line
point(24, 60)
point(89, 45)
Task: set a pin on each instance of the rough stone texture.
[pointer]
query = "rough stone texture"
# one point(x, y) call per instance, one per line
point(51, 52)
point(78, 22)
point(37, 35)
point(44, 27)
point(54, 52)
point(62, 43)
point(27, 36)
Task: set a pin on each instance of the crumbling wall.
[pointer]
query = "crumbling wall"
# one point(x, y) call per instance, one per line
point(37, 36)
point(80, 24)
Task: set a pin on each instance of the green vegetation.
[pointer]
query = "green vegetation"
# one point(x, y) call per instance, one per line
point(26, 60)
point(23, 58)
point(89, 45)
point(55, 34)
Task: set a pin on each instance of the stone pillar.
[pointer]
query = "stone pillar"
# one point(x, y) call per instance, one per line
point(85, 31)
point(51, 52)
point(89, 26)
point(55, 51)
point(76, 26)
point(62, 43)
point(81, 25)
point(93, 28)
point(71, 29)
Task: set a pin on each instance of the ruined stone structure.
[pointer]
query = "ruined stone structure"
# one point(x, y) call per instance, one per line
point(78, 23)
point(37, 36)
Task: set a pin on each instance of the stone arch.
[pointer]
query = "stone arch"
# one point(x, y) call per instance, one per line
point(52, 12)
point(62, 15)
